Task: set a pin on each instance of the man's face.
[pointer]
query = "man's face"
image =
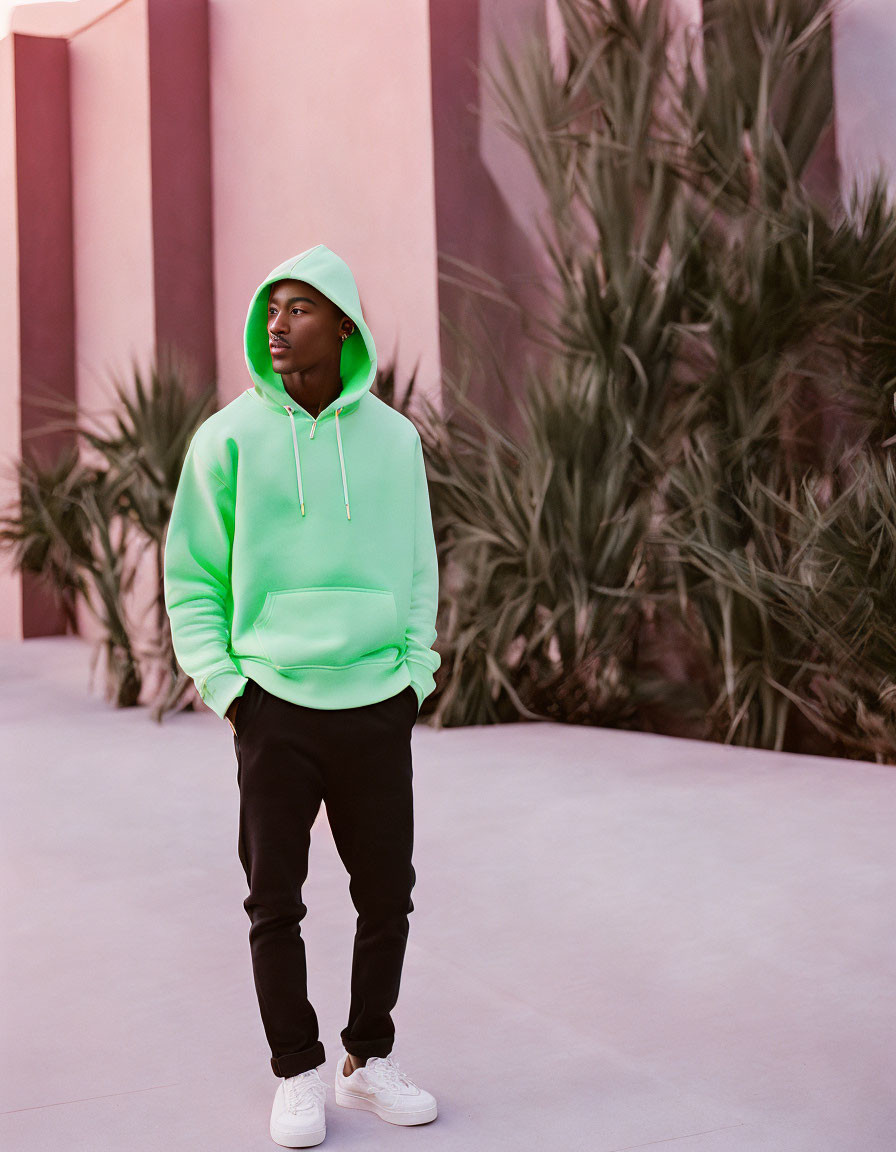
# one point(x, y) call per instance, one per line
point(304, 327)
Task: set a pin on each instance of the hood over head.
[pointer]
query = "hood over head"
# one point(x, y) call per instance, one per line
point(329, 274)
point(326, 272)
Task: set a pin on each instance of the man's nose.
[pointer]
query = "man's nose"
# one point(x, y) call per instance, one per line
point(278, 323)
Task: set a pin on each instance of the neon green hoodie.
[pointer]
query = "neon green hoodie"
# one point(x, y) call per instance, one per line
point(300, 552)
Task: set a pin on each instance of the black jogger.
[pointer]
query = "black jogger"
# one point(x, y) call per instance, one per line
point(357, 761)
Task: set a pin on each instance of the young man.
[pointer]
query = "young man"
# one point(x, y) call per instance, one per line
point(301, 583)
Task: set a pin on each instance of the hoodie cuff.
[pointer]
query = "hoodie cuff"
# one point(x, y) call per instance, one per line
point(220, 689)
point(422, 681)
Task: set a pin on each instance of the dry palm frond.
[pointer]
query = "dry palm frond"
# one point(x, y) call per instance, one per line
point(722, 343)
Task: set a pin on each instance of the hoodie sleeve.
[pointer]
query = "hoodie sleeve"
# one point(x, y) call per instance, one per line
point(197, 580)
point(422, 660)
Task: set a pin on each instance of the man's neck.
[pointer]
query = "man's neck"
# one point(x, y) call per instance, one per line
point(312, 392)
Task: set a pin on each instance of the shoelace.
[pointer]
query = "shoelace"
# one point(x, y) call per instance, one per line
point(304, 1091)
point(387, 1067)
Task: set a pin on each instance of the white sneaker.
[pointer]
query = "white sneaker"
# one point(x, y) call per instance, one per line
point(380, 1086)
point(297, 1118)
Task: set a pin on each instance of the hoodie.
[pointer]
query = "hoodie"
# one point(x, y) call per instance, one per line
point(300, 551)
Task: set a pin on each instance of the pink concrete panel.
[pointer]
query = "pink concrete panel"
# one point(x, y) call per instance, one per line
point(511, 23)
point(112, 201)
point(865, 88)
point(181, 184)
point(62, 18)
point(321, 132)
point(46, 286)
point(475, 220)
point(10, 584)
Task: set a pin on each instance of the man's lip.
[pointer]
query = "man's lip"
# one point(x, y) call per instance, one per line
point(277, 344)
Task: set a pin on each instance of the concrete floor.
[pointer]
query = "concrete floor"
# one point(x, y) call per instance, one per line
point(619, 941)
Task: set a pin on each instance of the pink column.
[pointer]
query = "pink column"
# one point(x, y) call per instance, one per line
point(474, 222)
point(45, 277)
point(181, 183)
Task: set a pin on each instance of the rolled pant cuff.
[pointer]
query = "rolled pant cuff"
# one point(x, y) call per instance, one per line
point(297, 1062)
point(364, 1049)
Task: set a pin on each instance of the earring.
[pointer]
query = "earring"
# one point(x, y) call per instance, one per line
point(343, 337)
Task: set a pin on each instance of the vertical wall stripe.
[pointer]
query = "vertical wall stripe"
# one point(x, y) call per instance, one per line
point(180, 149)
point(46, 269)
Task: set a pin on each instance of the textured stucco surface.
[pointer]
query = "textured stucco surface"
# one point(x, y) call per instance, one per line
point(619, 941)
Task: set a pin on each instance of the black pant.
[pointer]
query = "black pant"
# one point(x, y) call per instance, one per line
point(358, 762)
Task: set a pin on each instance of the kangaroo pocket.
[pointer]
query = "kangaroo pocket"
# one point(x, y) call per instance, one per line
point(328, 627)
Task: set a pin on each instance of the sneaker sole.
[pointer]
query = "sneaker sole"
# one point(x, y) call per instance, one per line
point(307, 1140)
point(348, 1100)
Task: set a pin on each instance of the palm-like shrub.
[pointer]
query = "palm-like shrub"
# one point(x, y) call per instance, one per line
point(850, 571)
point(542, 558)
point(703, 473)
point(386, 387)
point(64, 530)
point(85, 526)
point(148, 429)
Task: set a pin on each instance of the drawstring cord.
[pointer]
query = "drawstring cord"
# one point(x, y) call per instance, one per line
point(341, 463)
point(295, 445)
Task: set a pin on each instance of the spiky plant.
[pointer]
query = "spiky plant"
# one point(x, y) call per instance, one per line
point(552, 580)
point(548, 570)
point(385, 386)
point(64, 530)
point(84, 527)
point(782, 312)
point(143, 439)
point(849, 568)
point(46, 533)
point(722, 346)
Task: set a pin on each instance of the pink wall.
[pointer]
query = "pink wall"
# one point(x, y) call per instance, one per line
point(341, 152)
point(346, 123)
point(38, 328)
point(865, 87)
point(46, 284)
point(475, 224)
point(510, 22)
point(112, 202)
point(59, 18)
point(321, 131)
point(10, 597)
point(181, 185)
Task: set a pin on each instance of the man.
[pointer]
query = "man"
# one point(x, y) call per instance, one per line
point(301, 582)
